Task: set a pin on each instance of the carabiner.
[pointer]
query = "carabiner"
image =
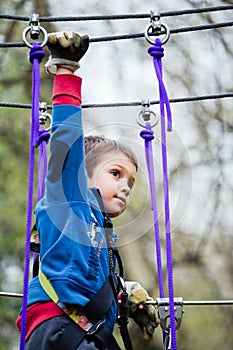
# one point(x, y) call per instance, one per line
point(44, 116)
point(146, 114)
point(155, 28)
point(35, 30)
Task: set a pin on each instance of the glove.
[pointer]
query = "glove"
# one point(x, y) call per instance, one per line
point(145, 315)
point(66, 48)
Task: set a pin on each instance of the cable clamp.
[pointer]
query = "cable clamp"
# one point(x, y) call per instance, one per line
point(156, 28)
point(164, 312)
point(35, 30)
point(155, 22)
point(44, 116)
point(34, 26)
point(146, 115)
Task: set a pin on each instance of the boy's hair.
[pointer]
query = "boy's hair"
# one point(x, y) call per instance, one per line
point(97, 146)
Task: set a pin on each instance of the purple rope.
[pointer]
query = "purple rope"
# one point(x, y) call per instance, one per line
point(36, 55)
point(148, 135)
point(157, 52)
point(44, 137)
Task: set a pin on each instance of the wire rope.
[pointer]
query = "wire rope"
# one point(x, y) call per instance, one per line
point(137, 35)
point(119, 16)
point(129, 104)
point(185, 302)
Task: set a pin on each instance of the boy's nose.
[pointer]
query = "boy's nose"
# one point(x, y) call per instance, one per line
point(124, 187)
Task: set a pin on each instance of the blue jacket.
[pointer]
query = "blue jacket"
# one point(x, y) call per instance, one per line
point(73, 252)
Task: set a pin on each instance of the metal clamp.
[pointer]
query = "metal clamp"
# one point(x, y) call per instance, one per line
point(35, 30)
point(146, 114)
point(164, 312)
point(44, 116)
point(155, 28)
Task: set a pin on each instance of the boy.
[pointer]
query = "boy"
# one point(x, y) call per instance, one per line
point(72, 303)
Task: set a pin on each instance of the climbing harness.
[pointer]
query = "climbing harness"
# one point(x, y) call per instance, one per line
point(88, 318)
point(122, 300)
point(157, 52)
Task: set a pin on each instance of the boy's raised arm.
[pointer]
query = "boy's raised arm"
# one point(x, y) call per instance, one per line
point(66, 180)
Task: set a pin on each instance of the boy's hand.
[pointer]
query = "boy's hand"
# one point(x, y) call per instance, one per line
point(146, 316)
point(67, 45)
point(66, 48)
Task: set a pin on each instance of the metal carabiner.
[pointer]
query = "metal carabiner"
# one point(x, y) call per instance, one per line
point(145, 115)
point(155, 28)
point(35, 30)
point(164, 312)
point(44, 116)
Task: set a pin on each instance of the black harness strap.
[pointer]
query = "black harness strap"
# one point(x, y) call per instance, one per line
point(113, 251)
point(73, 335)
point(102, 301)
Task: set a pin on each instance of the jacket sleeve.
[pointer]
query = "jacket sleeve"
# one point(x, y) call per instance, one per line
point(66, 179)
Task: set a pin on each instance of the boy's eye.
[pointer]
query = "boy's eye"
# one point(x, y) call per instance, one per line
point(115, 173)
point(130, 184)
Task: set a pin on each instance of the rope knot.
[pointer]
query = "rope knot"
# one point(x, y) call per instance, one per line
point(44, 135)
point(156, 51)
point(36, 52)
point(147, 134)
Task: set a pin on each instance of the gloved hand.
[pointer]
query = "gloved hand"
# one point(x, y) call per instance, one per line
point(145, 315)
point(66, 48)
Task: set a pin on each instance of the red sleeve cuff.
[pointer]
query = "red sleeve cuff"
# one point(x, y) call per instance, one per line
point(67, 90)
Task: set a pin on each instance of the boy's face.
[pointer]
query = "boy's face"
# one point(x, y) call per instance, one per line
point(115, 177)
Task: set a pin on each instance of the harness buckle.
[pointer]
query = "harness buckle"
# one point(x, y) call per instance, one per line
point(94, 329)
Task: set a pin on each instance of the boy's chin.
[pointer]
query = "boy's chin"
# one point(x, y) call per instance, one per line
point(115, 214)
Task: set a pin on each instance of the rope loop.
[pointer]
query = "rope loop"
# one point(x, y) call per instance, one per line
point(36, 52)
point(44, 136)
point(156, 51)
point(147, 134)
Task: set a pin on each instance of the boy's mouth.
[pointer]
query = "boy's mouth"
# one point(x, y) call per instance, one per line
point(122, 199)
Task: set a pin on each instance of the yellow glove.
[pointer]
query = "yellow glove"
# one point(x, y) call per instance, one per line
point(145, 315)
point(66, 49)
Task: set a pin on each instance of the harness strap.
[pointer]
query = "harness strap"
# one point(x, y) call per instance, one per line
point(87, 318)
point(74, 335)
point(108, 228)
point(102, 301)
